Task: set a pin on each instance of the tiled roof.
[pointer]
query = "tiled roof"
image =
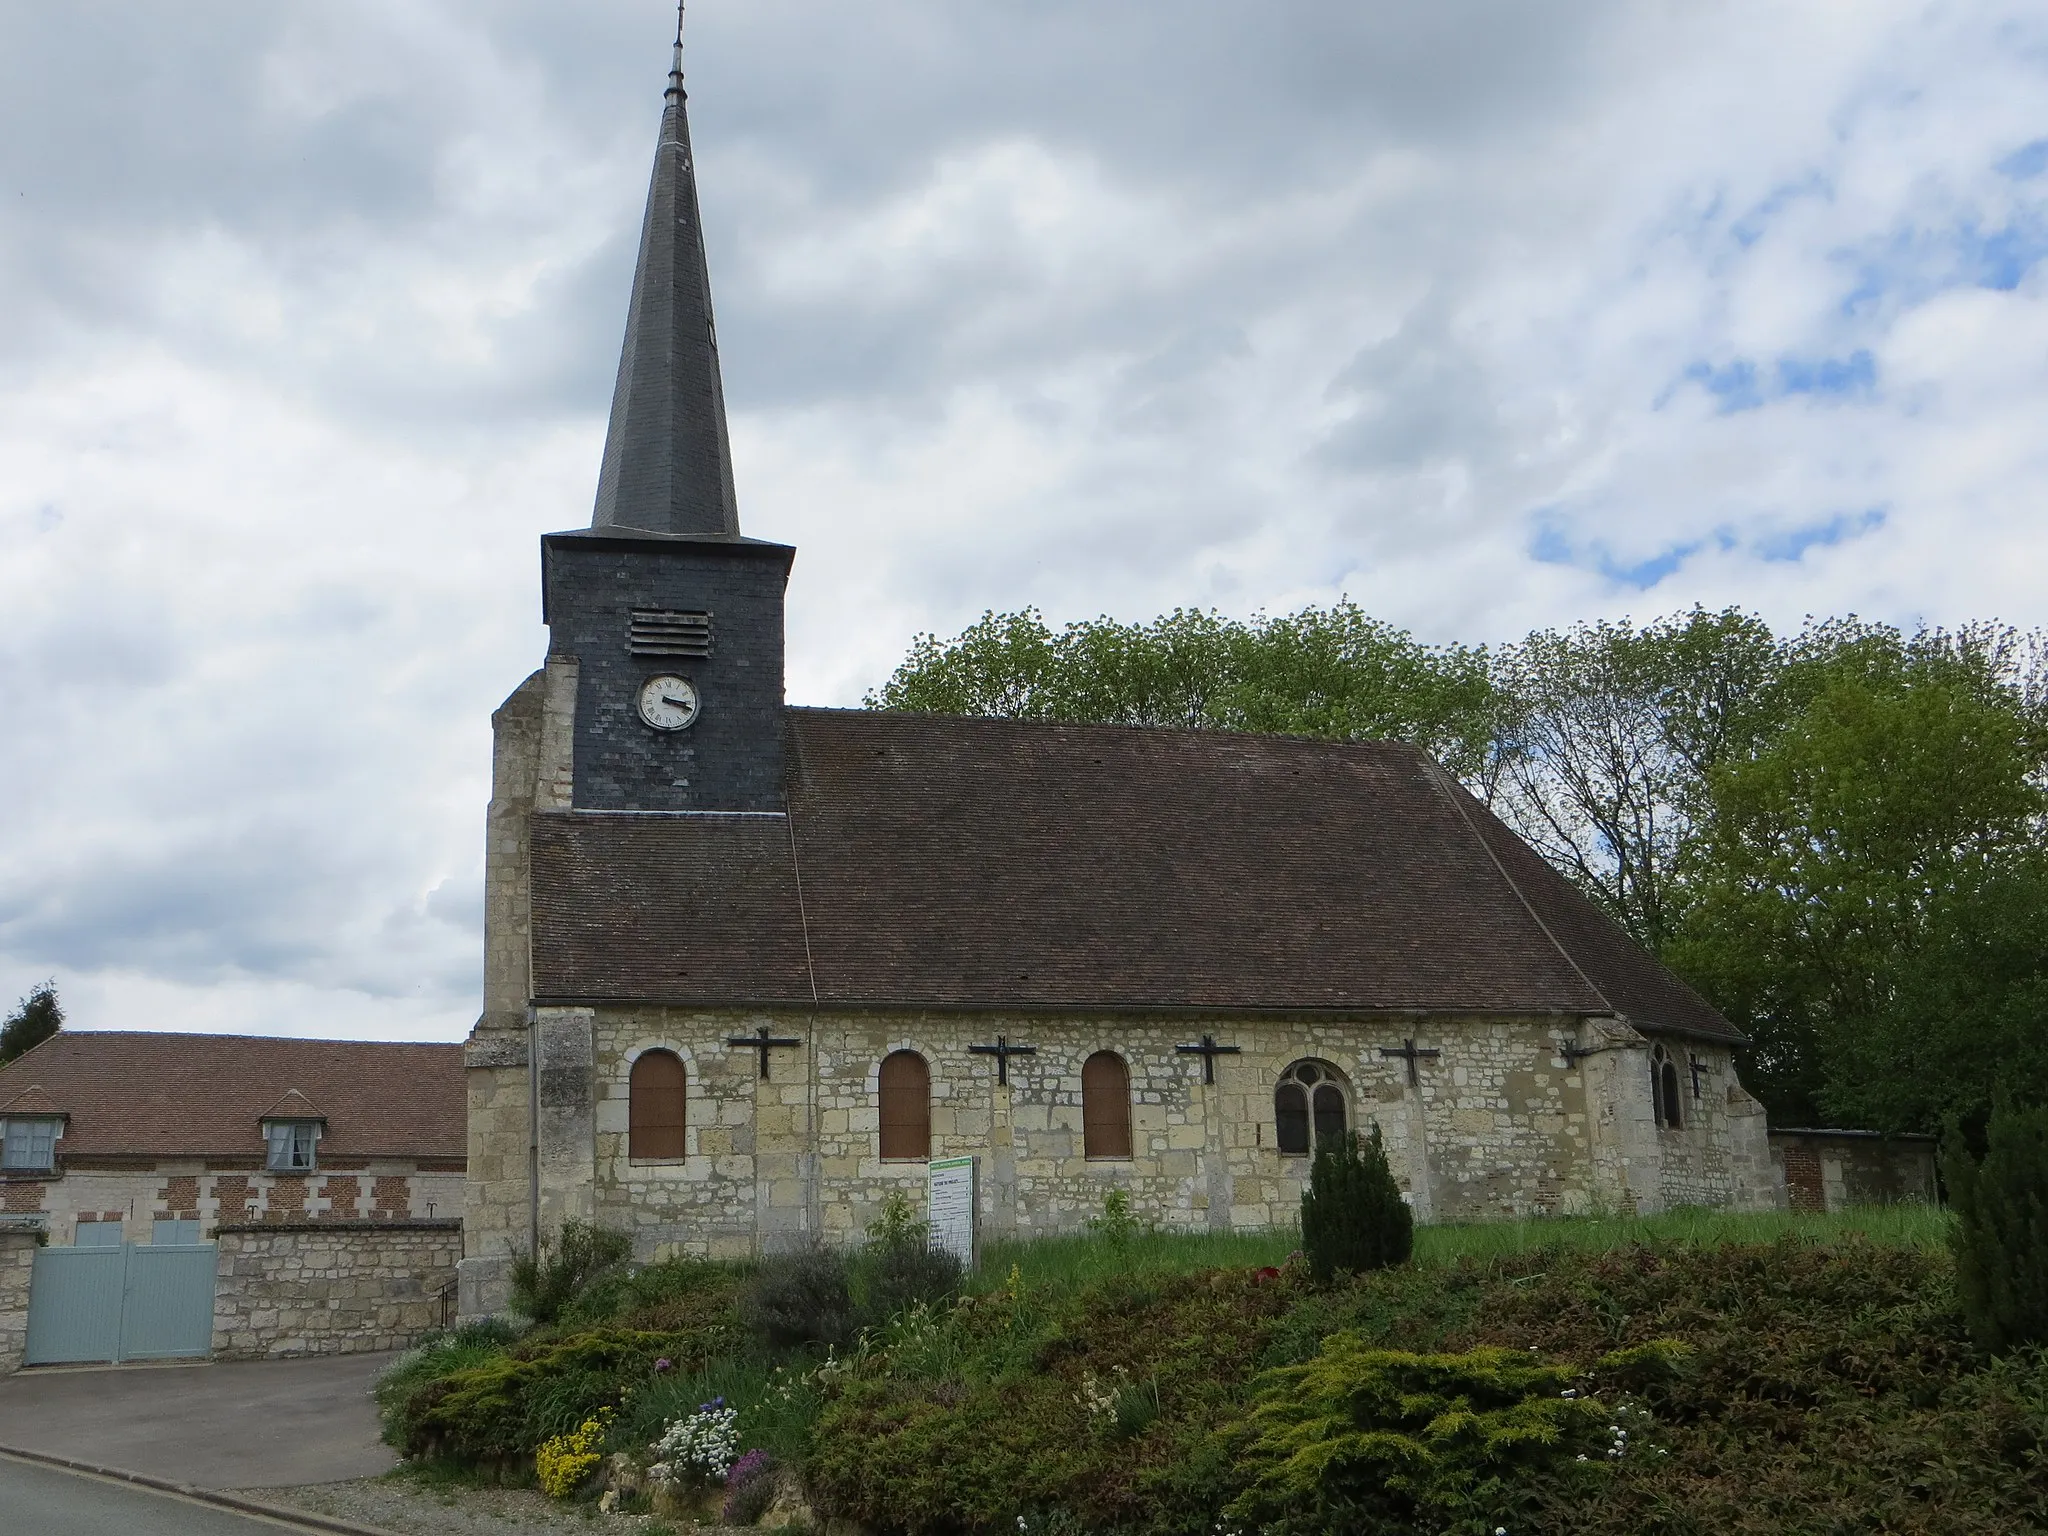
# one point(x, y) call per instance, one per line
point(943, 862)
point(164, 1095)
point(32, 1101)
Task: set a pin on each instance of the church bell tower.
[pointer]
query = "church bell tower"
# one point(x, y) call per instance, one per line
point(673, 619)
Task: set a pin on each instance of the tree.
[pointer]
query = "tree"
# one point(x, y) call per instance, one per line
point(35, 1018)
point(1610, 732)
point(1844, 888)
point(1333, 672)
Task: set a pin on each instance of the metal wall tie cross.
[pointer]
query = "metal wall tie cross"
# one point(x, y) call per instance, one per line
point(760, 1040)
point(1002, 1050)
point(1411, 1055)
point(1208, 1050)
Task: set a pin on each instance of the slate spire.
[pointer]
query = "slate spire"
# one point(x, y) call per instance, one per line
point(667, 462)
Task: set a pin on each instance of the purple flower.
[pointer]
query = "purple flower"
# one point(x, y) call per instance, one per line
point(663, 1364)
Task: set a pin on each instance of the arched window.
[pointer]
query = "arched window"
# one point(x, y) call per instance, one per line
point(1664, 1087)
point(657, 1111)
point(1105, 1106)
point(1309, 1106)
point(906, 1093)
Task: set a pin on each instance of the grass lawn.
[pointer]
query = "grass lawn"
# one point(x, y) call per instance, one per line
point(1065, 1262)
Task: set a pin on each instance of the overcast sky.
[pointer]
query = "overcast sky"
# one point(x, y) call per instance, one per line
point(1490, 315)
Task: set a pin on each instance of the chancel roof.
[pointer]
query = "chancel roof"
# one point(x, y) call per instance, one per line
point(166, 1095)
point(931, 861)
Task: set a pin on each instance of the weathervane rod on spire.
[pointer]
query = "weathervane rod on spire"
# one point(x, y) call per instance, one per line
point(675, 69)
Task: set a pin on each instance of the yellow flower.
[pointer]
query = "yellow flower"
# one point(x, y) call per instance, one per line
point(562, 1464)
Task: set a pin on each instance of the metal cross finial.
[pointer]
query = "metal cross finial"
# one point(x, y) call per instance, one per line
point(1413, 1055)
point(1002, 1050)
point(1208, 1050)
point(760, 1040)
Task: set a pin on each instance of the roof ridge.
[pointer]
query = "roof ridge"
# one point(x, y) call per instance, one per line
point(1193, 732)
point(1452, 792)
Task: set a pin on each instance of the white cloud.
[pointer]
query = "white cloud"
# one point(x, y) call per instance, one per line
point(1489, 315)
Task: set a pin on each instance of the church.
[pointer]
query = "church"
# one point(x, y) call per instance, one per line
point(749, 968)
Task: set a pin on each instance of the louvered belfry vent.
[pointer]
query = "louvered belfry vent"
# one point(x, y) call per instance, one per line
point(662, 632)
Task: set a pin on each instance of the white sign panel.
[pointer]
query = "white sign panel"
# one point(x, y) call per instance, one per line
point(950, 1206)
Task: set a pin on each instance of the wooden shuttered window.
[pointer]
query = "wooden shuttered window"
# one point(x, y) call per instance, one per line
point(1105, 1106)
point(906, 1094)
point(658, 1114)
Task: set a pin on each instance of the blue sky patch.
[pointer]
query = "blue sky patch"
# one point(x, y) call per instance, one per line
point(1743, 386)
point(2026, 162)
point(1791, 545)
point(1550, 546)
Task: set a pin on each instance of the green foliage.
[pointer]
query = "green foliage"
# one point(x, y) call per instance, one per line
point(35, 1019)
point(898, 1268)
point(1843, 881)
point(673, 1296)
point(2001, 1231)
point(501, 1407)
point(803, 1298)
point(1368, 1438)
point(547, 1282)
point(1331, 672)
point(1116, 1225)
point(1353, 1218)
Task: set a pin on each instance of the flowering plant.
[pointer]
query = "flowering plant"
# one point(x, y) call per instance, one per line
point(698, 1449)
point(561, 1464)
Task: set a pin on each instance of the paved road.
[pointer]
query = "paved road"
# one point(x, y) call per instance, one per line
point(248, 1424)
point(43, 1501)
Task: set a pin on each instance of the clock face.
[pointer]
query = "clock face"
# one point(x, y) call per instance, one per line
point(668, 703)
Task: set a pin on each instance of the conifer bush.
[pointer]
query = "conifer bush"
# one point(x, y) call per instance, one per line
point(2000, 1238)
point(1353, 1218)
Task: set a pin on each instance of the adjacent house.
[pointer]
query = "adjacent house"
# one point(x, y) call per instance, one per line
point(112, 1137)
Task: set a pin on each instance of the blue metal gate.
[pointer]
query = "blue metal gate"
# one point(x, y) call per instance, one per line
point(134, 1302)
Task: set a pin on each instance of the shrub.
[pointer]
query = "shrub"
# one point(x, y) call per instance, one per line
point(1363, 1438)
point(544, 1283)
point(800, 1298)
point(749, 1489)
point(1353, 1218)
point(894, 1278)
point(501, 1408)
point(2000, 1237)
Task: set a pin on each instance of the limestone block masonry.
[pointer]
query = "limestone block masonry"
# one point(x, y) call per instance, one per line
point(330, 1287)
point(17, 1262)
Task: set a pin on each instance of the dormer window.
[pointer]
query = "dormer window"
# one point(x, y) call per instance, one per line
point(29, 1143)
point(290, 1145)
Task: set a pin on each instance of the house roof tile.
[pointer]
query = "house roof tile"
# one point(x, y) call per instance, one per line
point(172, 1095)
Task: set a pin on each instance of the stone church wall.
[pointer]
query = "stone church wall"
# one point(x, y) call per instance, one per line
point(1497, 1125)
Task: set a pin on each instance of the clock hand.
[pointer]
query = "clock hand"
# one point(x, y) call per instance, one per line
point(679, 703)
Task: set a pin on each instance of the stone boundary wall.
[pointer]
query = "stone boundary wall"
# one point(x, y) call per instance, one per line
point(17, 1262)
point(1830, 1170)
point(332, 1287)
